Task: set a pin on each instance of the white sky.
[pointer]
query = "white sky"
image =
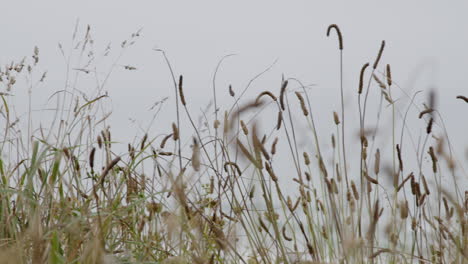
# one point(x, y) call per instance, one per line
point(426, 46)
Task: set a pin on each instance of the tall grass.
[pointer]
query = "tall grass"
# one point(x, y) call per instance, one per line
point(243, 190)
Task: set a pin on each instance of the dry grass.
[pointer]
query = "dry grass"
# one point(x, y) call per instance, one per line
point(68, 197)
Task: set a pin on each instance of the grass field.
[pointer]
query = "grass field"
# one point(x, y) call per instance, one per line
point(235, 189)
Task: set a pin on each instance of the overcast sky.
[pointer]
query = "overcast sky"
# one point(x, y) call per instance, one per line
point(426, 46)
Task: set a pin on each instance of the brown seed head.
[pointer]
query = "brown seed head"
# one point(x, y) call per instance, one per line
point(284, 234)
point(433, 158)
point(248, 155)
point(361, 77)
point(355, 191)
point(306, 158)
point(268, 93)
point(376, 62)
point(216, 124)
point(336, 118)
point(404, 209)
point(302, 102)
point(91, 158)
point(99, 141)
point(271, 172)
point(307, 175)
point(283, 91)
point(381, 84)
point(252, 192)
point(143, 141)
point(399, 156)
point(231, 92)
point(425, 185)
point(338, 32)
point(464, 98)
point(195, 155)
point(273, 146)
point(175, 132)
point(427, 111)
point(389, 75)
point(338, 174)
point(334, 186)
point(377, 162)
point(233, 164)
point(429, 126)
point(226, 123)
point(181, 91)
point(244, 128)
point(279, 120)
point(370, 179)
point(323, 169)
point(163, 142)
point(410, 176)
point(108, 168)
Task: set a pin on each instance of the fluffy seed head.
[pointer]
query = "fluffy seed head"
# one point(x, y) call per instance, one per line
point(381, 84)
point(404, 209)
point(244, 128)
point(271, 172)
point(195, 155)
point(377, 162)
point(303, 107)
point(216, 124)
point(306, 158)
point(355, 191)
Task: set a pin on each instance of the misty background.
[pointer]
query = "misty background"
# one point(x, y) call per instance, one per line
point(426, 45)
